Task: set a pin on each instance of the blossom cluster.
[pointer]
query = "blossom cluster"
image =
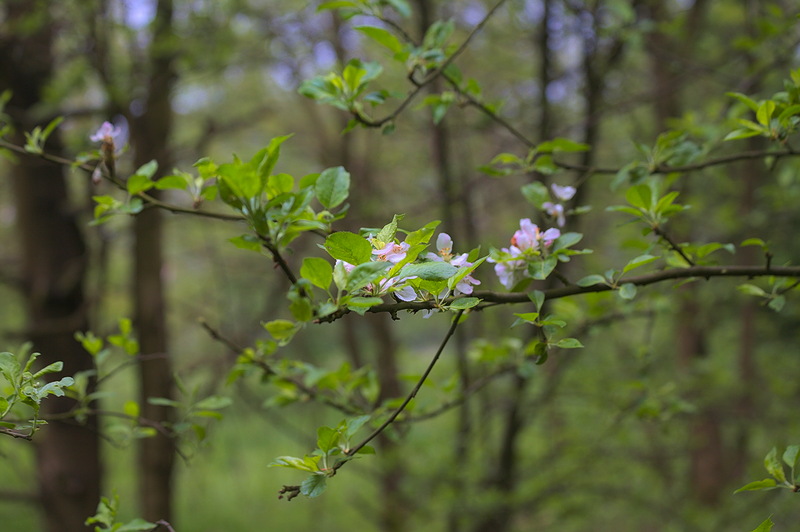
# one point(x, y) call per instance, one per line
point(527, 244)
point(556, 210)
point(394, 253)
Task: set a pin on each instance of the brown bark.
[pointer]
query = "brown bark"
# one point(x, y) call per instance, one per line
point(52, 272)
point(150, 134)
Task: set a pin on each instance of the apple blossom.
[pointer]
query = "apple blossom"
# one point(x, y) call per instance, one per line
point(445, 246)
point(563, 193)
point(107, 133)
point(392, 252)
point(556, 210)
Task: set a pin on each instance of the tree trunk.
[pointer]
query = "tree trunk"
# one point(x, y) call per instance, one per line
point(53, 268)
point(150, 134)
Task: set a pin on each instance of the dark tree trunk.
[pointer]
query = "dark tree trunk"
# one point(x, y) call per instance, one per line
point(150, 134)
point(53, 268)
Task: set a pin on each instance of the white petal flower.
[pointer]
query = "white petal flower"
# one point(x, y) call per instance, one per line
point(563, 193)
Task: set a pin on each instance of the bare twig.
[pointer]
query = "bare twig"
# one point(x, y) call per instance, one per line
point(314, 394)
point(15, 434)
point(410, 396)
point(675, 247)
point(432, 76)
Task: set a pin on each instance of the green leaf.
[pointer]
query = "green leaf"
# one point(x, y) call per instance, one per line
point(536, 193)
point(365, 273)
point(327, 439)
point(308, 181)
point(627, 291)
point(741, 134)
point(292, 462)
point(777, 303)
point(774, 466)
point(566, 240)
point(318, 271)
point(10, 368)
point(354, 424)
point(336, 4)
point(364, 302)
point(332, 187)
point(280, 184)
point(429, 271)
point(528, 317)
point(744, 99)
point(264, 161)
point(55, 367)
point(707, 249)
point(401, 6)
point(753, 242)
point(537, 296)
point(790, 455)
point(170, 181)
point(348, 247)
point(764, 113)
point(148, 169)
point(389, 230)
point(789, 111)
point(250, 242)
point(751, 290)
point(422, 235)
point(139, 183)
point(163, 401)
point(766, 526)
point(640, 196)
point(381, 36)
point(758, 485)
point(569, 343)
point(214, 402)
point(464, 303)
point(281, 330)
point(539, 270)
point(591, 280)
point(137, 524)
point(641, 260)
point(561, 144)
point(314, 485)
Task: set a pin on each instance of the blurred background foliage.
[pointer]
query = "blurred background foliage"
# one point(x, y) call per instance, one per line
point(677, 395)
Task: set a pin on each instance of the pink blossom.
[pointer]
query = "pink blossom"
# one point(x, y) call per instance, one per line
point(529, 236)
point(107, 133)
point(392, 252)
point(563, 193)
point(507, 271)
point(556, 210)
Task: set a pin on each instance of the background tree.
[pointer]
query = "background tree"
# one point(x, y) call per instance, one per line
point(651, 433)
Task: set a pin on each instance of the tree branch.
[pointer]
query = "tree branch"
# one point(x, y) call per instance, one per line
point(503, 298)
point(410, 396)
point(432, 76)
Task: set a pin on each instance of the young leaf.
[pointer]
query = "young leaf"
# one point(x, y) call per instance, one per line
point(348, 247)
point(758, 485)
point(332, 187)
point(314, 485)
point(638, 261)
point(627, 291)
point(318, 271)
point(381, 36)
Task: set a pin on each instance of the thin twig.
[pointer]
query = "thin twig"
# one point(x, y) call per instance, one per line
point(15, 434)
point(410, 396)
point(664, 169)
point(119, 184)
point(165, 524)
point(314, 394)
point(432, 76)
point(660, 232)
